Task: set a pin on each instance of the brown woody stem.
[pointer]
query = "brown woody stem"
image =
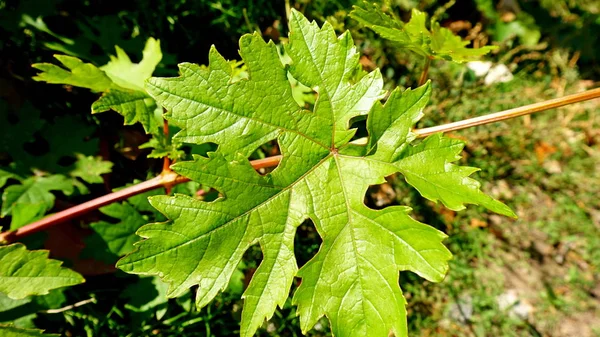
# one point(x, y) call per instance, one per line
point(512, 113)
point(170, 178)
point(166, 160)
point(425, 72)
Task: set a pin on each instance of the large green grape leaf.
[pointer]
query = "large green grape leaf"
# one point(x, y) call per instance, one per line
point(24, 273)
point(121, 83)
point(353, 279)
point(435, 43)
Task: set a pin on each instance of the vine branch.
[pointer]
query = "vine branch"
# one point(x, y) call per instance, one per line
point(425, 72)
point(511, 113)
point(169, 178)
point(166, 160)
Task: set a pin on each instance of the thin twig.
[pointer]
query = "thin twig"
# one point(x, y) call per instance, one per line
point(512, 113)
point(167, 179)
point(69, 307)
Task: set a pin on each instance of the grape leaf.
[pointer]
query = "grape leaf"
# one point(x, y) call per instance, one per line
point(437, 43)
point(145, 295)
point(80, 141)
point(75, 73)
point(121, 83)
point(21, 313)
point(164, 146)
point(31, 199)
point(10, 331)
point(24, 273)
point(113, 240)
point(353, 279)
point(16, 129)
point(441, 180)
point(127, 74)
point(90, 168)
point(5, 176)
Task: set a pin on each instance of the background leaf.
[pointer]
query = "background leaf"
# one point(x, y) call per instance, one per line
point(24, 273)
point(435, 43)
point(9, 331)
point(120, 80)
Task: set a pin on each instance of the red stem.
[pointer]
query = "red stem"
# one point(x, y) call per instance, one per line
point(166, 179)
point(166, 160)
point(88, 206)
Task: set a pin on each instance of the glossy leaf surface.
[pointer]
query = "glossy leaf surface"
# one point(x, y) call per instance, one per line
point(353, 279)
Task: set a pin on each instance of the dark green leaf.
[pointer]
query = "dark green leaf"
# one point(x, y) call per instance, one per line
point(24, 273)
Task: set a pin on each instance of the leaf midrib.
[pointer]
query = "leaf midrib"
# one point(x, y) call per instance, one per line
point(226, 111)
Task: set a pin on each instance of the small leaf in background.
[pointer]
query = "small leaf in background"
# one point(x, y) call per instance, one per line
point(543, 150)
point(80, 140)
point(90, 168)
point(147, 295)
point(435, 43)
point(118, 238)
point(18, 128)
point(10, 331)
point(127, 74)
point(21, 313)
point(112, 240)
point(24, 273)
point(163, 146)
point(5, 176)
point(75, 73)
point(31, 199)
point(121, 83)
